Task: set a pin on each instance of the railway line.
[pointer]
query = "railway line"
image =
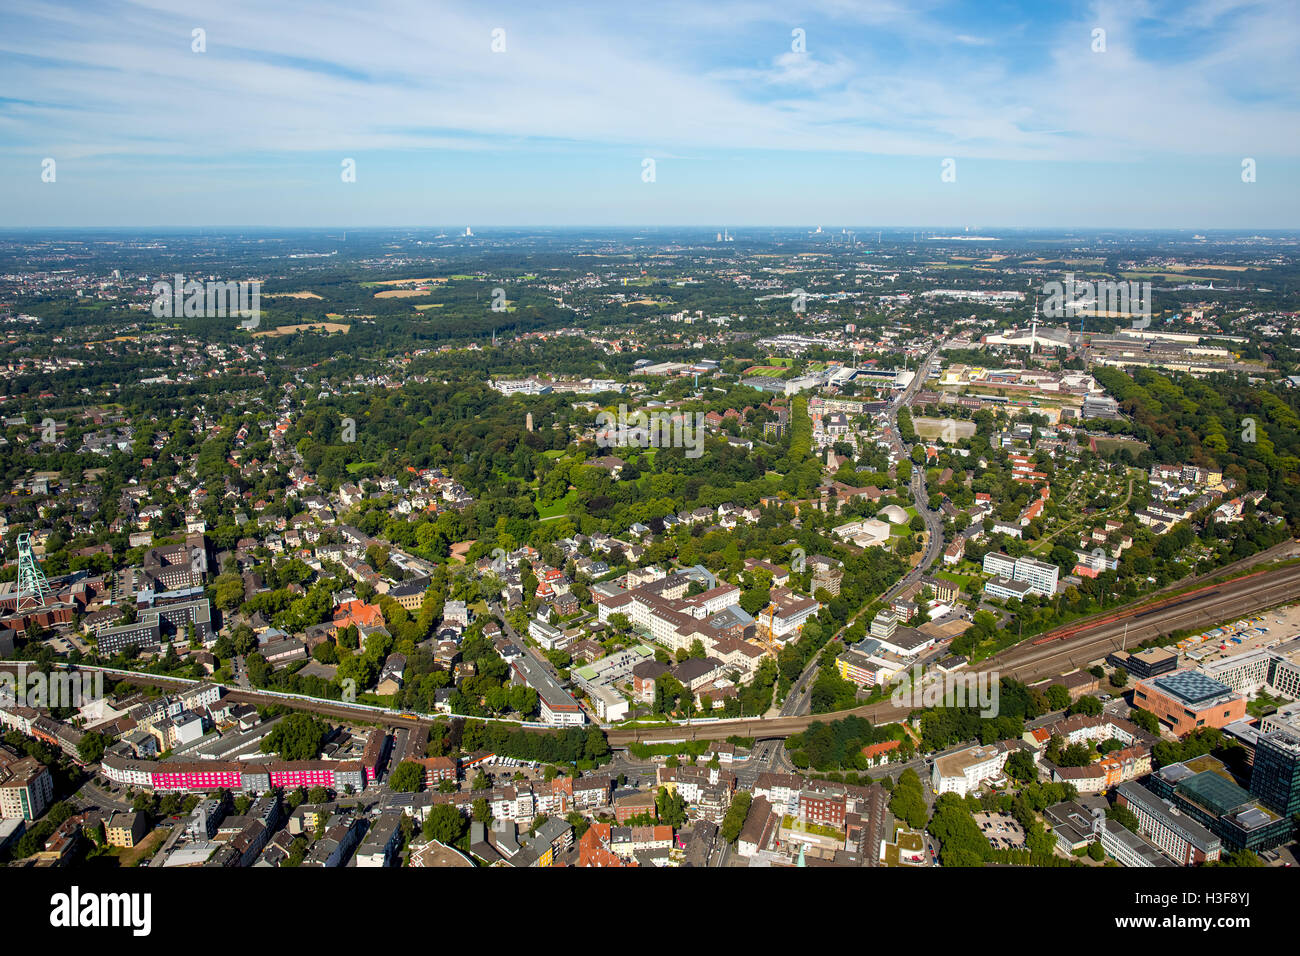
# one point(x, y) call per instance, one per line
point(341, 710)
point(1055, 654)
point(1088, 641)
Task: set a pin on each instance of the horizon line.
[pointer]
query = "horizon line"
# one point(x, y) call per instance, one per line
point(955, 230)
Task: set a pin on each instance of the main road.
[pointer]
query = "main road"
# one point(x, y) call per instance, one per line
point(799, 699)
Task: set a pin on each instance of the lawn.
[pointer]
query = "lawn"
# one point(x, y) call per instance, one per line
point(1106, 446)
point(558, 508)
point(142, 850)
point(967, 582)
point(816, 829)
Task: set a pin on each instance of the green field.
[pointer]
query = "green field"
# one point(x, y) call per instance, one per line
point(560, 507)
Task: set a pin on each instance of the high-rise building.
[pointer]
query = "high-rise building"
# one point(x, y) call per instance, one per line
point(826, 573)
point(26, 789)
point(1275, 777)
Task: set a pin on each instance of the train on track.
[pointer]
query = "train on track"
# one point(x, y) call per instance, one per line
point(1138, 613)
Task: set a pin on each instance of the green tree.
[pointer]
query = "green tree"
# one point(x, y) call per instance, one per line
point(734, 821)
point(296, 737)
point(407, 778)
point(1020, 766)
point(445, 824)
point(1123, 816)
point(1145, 719)
point(1087, 705)
point(908, 800)
point(1058, 698)
point(671, 807)
point(91, 747)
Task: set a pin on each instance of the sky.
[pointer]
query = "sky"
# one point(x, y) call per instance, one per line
point(1136, 114)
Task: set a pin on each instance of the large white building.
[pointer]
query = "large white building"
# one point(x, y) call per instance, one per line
point(661, 609)
point(1003, 565)
point(1245, 673)
point(964, 772)
point(1039, 575)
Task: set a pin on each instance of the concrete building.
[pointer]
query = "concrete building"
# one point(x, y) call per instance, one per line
point(26, 789)
point(1039, 575)
point(557, 704)
point(1151, 662)
point(1185, 700)
point(965, 771)
point(126, 829)
point(1178, 836)
point(1245, 674)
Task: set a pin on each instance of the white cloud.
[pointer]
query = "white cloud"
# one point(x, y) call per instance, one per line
point(318, 77)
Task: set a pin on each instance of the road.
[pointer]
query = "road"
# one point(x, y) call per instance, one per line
point(799, 699)
point(92, 793)
point(920, 496)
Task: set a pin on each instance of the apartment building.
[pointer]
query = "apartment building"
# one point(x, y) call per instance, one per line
point(1245, 674)
point(1039, 575)
point(26, 789)
point(126, 828)
point(556, 704)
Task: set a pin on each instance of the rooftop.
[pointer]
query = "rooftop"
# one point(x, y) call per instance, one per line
point(1191, 687)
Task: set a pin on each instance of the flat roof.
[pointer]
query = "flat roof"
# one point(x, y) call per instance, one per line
point(1150, 654)
point(1213, 792)
point(1191, 687)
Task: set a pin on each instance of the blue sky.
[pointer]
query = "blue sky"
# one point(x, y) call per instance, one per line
point(744, 129)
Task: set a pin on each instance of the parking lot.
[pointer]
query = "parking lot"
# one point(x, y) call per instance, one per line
point(1001, 830)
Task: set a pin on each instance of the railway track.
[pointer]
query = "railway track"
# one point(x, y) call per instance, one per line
point(1086, 640)
point(1028, 663)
